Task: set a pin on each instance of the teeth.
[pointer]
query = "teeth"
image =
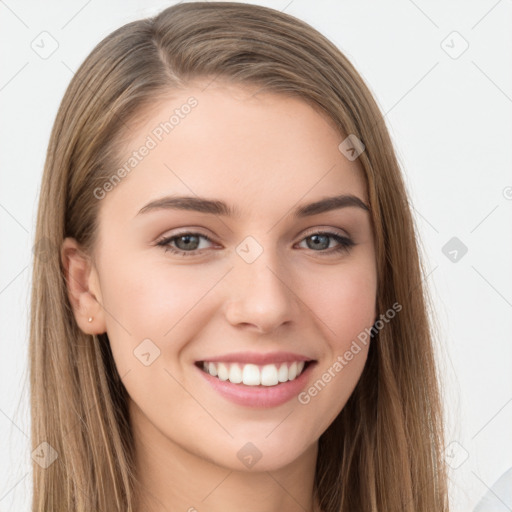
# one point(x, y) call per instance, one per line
point(212, 370)
point(254, 375)
point(251, 375)
point(292, 371)
point(269, 375)
point(222, 371)
point(282, 373)
point(235, 374)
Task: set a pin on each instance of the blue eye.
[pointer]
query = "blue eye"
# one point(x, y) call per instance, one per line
point(188, 243)
point(186, 240)
point(321, 241)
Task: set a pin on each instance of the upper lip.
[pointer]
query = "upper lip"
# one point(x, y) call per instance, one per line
point(256, 358)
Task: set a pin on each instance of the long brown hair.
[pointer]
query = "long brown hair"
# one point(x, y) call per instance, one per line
point(384, 450)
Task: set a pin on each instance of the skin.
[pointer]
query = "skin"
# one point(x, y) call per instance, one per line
point(264, 154)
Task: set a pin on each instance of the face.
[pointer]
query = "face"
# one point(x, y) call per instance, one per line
point(253, 285)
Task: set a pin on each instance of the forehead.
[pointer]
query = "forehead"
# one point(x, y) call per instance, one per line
point(235, 143)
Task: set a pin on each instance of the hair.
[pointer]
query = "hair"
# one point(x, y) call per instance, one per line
point(383, 452)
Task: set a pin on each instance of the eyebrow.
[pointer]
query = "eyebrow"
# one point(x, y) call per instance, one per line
point(217, 207)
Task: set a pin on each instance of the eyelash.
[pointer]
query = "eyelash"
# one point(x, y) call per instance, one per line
point(345, 244)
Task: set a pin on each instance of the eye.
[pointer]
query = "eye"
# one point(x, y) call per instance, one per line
point(320, 242)
point(189, 243)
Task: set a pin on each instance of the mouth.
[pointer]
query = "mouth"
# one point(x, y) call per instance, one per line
point(255, 375)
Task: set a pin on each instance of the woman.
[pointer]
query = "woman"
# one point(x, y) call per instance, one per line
point(286, 362)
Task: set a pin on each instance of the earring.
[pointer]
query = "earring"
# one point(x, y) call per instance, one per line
point(90, 319)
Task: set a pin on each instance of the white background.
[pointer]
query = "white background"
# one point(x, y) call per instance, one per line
point(450, 119)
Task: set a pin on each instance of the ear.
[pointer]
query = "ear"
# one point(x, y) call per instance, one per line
point(83, 288)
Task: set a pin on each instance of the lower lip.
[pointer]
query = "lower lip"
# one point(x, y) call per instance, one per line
point(259, 396)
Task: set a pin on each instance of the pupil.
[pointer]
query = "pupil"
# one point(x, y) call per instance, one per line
point(317, 242)
point(188, 242)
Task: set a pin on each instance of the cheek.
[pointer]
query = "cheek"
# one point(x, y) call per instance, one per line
point(147, 300)
point(345, 306)
point(346, 303)
point(150, 298)
point(152, 314)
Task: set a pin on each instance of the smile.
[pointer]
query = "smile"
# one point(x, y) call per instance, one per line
point(253, 374)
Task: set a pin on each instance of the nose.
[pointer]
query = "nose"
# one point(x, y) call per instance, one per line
point(261, 295)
